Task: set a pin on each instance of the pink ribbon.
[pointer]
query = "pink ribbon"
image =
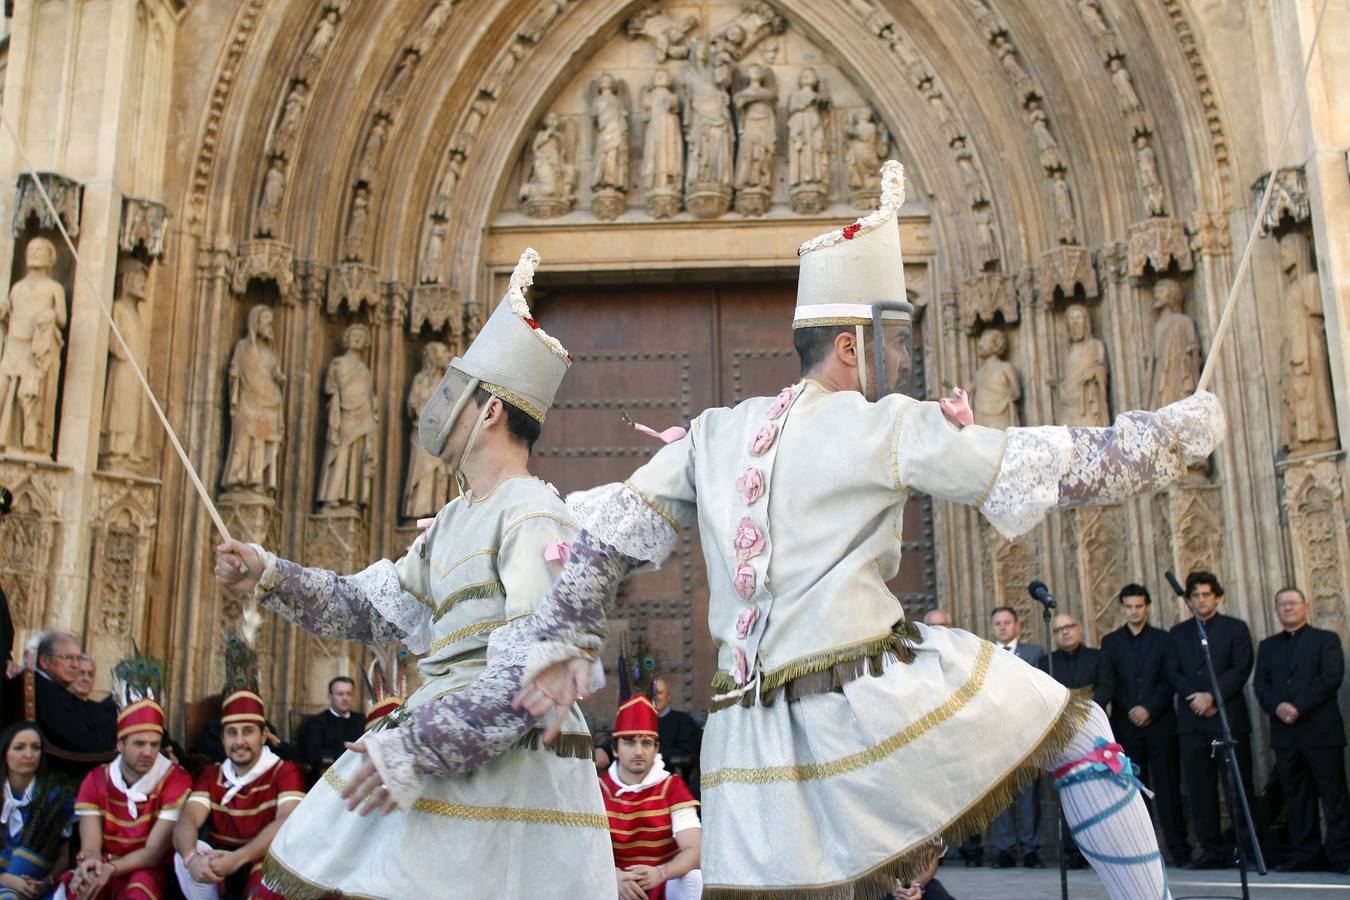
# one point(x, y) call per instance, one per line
point(669, 436)
point(425, 525)
point(557, 551)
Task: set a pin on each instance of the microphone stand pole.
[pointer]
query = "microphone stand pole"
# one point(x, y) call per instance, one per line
point(1059, 807)
point(1232, 778)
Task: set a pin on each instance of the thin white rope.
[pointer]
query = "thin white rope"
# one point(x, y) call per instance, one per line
point(1225, 321)
point(116, 332)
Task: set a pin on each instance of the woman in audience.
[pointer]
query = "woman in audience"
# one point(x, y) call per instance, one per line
point(35, 819)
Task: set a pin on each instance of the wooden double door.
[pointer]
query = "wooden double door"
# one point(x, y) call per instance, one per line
point(664, 354)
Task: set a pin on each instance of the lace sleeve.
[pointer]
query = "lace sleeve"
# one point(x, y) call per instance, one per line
point(370, 606)
point(619, 516)
point(1051, 467)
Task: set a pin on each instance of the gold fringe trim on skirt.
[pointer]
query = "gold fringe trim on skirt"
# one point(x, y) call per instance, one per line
point(824, 672)
point(278, 877)
point(915, 861)
point(568, 745)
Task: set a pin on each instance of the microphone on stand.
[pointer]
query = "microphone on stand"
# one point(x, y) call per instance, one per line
point(1041, 594)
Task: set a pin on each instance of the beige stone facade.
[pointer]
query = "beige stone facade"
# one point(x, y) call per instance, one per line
point(346, 162)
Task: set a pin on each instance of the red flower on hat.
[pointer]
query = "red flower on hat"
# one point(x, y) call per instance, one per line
point(851, 230)
point(530, 322)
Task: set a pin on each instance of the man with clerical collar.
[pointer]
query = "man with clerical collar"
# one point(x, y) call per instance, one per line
point(80, 733)
point(679, 734)
point(653, 819)
point(1298, 675)
point(242, 802)
point(127, 810)
point(328, 733)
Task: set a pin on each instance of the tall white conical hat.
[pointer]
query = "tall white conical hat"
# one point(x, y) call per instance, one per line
point(844, 272)
point(512, 358)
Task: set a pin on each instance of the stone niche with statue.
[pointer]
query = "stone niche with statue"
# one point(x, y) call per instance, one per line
point(699, 111)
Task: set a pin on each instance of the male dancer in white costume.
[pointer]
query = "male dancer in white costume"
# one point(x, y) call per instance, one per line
point(525, 809)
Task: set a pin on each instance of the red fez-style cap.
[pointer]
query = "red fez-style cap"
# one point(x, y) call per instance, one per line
point(636, 717)
point(141, 716)
point(382, 710)
point(243, 706)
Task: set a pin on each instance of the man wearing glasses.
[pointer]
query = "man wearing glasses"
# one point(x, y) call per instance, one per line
point(80, 733)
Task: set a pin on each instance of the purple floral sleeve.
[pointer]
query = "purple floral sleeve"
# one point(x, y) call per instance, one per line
point(322, 602)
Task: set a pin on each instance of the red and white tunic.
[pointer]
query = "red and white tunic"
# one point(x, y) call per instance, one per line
point(644, 818)
point(233, 824)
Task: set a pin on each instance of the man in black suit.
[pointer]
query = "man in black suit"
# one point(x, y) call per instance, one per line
point(677, 731)
point(80, 733)
point(1075, 667)
point(1133, 679)
point(1021, 820)
point(327, 733)
point(1230, 646)
point(1298, 674)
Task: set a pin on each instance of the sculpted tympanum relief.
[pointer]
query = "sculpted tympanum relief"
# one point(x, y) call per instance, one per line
point(709, 136)
point(32, 321)
point(429, 485)
point(998, 386)
point(256, 424)
point(757, 113)
point(1174, 367)
point(865, 149)
point(609, 182)
point(550, 188)
point(662, 148)
point(349, 444)
point(1308, 417)
point(808, 153)
point(123, 401)
point(1085, 380)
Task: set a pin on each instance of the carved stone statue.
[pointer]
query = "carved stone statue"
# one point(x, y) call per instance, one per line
point(986, 239)
point(123, 401)
point(1066, 222)
point(1101, 32)
point(808, 154)
point(998, 386)
point(1308, 421)
point(1012, 66)
point(349, 446)
point(273, 196)
point(757, 112)
point(431, 26)
point(707, 177)
point(31, 322)
point(742, 34)
point(1127, 97)
point(550, 189)
point(667, 35)
point(429, 269)
point(1085, 376)
point(429, 485)
point(370, 154)
point(1174, 369)
point(354, 245)
point(864, 152)
point(256, 424)
point(292, 117)
point(1147, 160)
point(1051, 158)
point(318, 45)
point(609, 182)
point(662, 148)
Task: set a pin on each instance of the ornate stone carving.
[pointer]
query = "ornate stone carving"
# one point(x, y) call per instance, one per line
point(1174, 367)
point(337, 542)
point(1052, 160)
point(1314, 499)
point(1128, 98)
point(1084, 385)
point(866, 146)
point(292, 117)
point(348, 469)
point(970, 173)
point(1196, 529)
point(431, 26)
point(742, 34)
point(1107, 43)
point(434, 305)
point(537, 24)
point(369, 163)
point(669, 36)
point(430, 268)
point(1023, 86)
point(145, 223)
point(1218, 133)
point(257, 423)
point(609, 179)
point(1101, 540)
point(1210, 234)
point(1158, 242)
point(65, 194)
point(266, 261)
point(28, 535)
point(358, 221)
point(998, 386)
point(757, 114)
point(986, 237)
point(951, 312)
point(1063, 269)
point(986, 297)
point(312, 58)
point(1066, 221)
point(123, 402)
point(272, 198)
point(123, 534)
point(32, 324)
point(429, 485)
point(353, 285)
point(1308, 414)
point(1146, 161)
point(396, 91)
point(1289, 202)
point(808, 145)
point(1015, 565)
point(662, 148)
point(550, 188)
point(709, 137)
point(500, 73)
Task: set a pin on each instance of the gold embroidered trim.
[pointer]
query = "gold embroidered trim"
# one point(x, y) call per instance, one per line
point(656, 509)
point(514, 399)
point(830, 321)
point(568, 745)
point(473, 498)
point(445, 573)
point(290, 884)
point(466, 631)
point(480, 590)
point(895, 446)
point(863, 758)
point(566, 523)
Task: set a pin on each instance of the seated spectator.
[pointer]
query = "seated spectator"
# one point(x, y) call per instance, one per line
point(937, 617)
point(83, 685)
point(80, 733)
point(242, 802)
point(681, 738)
point(36, 818)
point(127, 810)
point(326, 734)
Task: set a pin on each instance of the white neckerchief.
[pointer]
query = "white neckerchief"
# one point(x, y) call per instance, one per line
point(654, 777)
point(144, 786)
point(266, 760)
point(11, 816)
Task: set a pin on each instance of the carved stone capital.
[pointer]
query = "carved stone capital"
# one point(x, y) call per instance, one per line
point(984, 297)
point(1063, 269)
point(1210, 235)
point(355, 285)
point(266, 260)
point(215, 257)
point(65, 194)
point(145, 223)
point(29, 535)
point(951, 312)
point(1113, 261)
point(434, 305)
point(396, 298)
point(1289, 203)
point(1158, 242)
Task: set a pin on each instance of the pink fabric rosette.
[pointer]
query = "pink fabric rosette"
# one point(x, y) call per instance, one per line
point(750, 485)
point(748, 541)
point(745, 622)
point(763, 439)
point(744, 580)
point(741, 672)
point(781, 403)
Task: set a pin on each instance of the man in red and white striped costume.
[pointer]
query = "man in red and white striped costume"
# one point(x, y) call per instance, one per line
point(653, 818)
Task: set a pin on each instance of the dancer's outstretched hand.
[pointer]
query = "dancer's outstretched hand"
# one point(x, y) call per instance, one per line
point(555, 689)
point(367, 786)
point(238, 566)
